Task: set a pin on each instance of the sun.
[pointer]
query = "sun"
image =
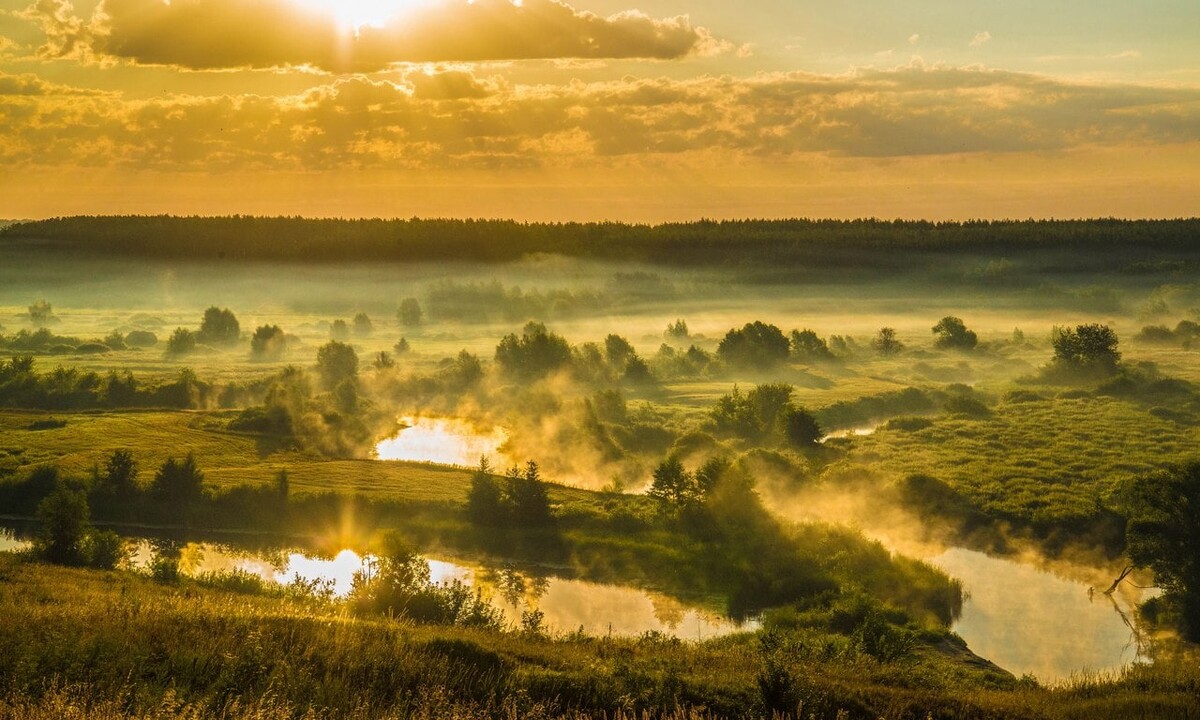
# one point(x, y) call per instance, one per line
point(357, 14)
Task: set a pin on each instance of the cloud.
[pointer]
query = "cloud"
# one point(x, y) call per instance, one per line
point(221, 34)
point(456, 120)
point(1126, 55)
point(914, 39)
point(981, 38)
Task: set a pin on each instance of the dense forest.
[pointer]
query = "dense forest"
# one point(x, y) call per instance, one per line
point(1134, 246)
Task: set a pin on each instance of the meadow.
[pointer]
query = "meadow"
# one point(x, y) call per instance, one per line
point(688, 438)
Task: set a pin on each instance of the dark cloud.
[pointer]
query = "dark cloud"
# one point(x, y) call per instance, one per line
point(220, 34)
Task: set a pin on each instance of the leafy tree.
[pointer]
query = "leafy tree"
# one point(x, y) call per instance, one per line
point(677, 330)
point(757, 345)
point(40, 313)
point(673, 484)
point(384, 360)
point(219, 327)
point(885, 342)
point(339, 330)
point(268, 341)
point(409, 313)
point(808, 347)
point(64, 517)
point(178, 484)
point(362, 325)
point(535, 353)
point(181, 342)
point(1163, 534)
point(282, 485)
point(1086, 347)
point(801, 428)
point(462, 372)
point(119, 478)
point(637, 372)
point(336, 363)
point(618, 350)
point(737, 415)
point(119, 390)
point(345, 396)
point(953, 334)
point(526, 493)
point(485, 502)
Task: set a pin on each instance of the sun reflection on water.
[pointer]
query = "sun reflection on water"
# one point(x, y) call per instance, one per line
point(446, 441)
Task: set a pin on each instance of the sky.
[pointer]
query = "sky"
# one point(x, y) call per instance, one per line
point(631, 110)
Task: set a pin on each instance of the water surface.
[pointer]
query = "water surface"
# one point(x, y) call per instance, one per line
point(446, 441)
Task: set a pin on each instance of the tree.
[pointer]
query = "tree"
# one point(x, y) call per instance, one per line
point(801, 428)
point(953, 334)
point(339, 330)
point(527, 495)
point(677, 330)
point(336, 362)
point(1086, 347)
point(178, 484)
point(219, 327)
point(1163, 534)
point(409, 313)
point(181, 342)
point(64, 517)
point(41, 313)
point(119, 478)
point(362, 325)
point(672, 484)
point(808, 347)
point(384, 360)
point(618, 350)
point(757, 345)
point(402, 347)
point(535, 353)
point(885, 343)
point(268, 341)
point(485, 503)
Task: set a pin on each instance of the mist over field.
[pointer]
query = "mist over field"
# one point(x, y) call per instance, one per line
point(841, 450)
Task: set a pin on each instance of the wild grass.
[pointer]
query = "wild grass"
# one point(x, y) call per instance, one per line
point(80, 643)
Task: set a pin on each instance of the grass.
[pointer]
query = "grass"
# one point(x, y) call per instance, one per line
point(93, 644)
point(1042, 461)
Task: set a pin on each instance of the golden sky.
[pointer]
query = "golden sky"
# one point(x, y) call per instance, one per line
point(601, 109)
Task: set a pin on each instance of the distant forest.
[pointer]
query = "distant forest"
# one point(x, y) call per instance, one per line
point(762, 243)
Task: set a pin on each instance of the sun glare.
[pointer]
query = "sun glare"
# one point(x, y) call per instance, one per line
point(356, 14)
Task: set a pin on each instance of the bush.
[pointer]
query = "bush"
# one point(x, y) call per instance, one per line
point(268, 341)
point(181, 342)
point(141, 339)
point(92, 348)
point(106, 550)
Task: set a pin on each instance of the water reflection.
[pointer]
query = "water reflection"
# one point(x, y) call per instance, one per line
point(9, 542)
point(1027, 620)
point(447, 441)
point(568, 605)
